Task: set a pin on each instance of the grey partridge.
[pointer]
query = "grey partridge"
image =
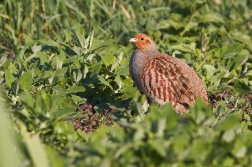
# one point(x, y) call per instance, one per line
point(163, 78)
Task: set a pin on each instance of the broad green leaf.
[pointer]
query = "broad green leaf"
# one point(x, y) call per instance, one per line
point(77, 75)
point(122, 150)
point(180, 142)
point(79, 51)
point(174, 21)
point(99, 134)
point(59, 74)
point(199, 112)
point(35, 148)
point(75, 89)
point(210, 17)
point(36, 55)
point(95, 69)
point(185, 47)
point(108, 59)
point(156, 145)
point(199, 149)
point(220, 108)
point(122, 69)
point(244, 38)
point(210, 70)
point(43, 59)
point(188, 27)
point(85, 71)
point(213, 37)
point(231, 51)
point(36, 48)
point(78, 99)
point(26, 80)
point(76, 63)
point(68, 36)
point(10, 143)
point(240, 87)
point(48, 41)
point(228, 135)
point(138, 135)
point(96, 44)
point(27, 98)
point(12, 67)
point(59, 89)
point(9, 79)
point(62, 113)
point(57, 62)
point(241, 59)
point(240, 151)
point(229, 122)
point(28, 39)
point(128, 90)
point(103, 81)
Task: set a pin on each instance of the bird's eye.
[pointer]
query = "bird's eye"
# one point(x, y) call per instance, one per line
point(142, 39)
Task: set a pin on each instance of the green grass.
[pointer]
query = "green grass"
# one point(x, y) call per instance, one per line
point(67, 98)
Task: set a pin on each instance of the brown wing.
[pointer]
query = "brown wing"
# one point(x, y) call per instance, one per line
point(197, 87)
point(164, 81)
point(180, 84)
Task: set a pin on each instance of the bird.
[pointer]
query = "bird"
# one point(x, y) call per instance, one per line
point(164, 78)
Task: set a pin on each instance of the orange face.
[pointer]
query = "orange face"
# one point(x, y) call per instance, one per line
point(141, 41)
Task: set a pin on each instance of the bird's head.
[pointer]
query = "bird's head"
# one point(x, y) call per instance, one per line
point(144, 43)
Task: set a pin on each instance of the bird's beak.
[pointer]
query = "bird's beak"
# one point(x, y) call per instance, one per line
point(133, 40)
